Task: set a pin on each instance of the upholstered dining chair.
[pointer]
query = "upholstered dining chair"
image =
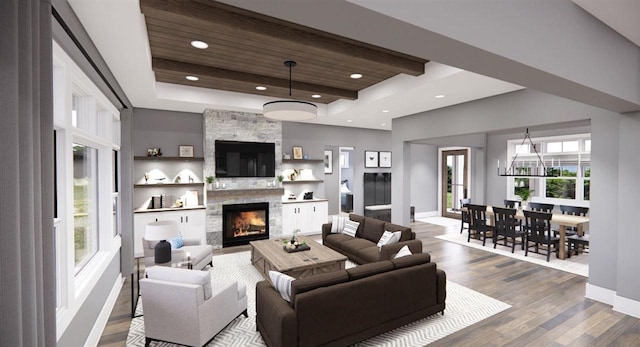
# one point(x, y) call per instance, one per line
point(465, 214)
point(538, 229)
point(540, 207)
point(478, 226)
point(507, 227)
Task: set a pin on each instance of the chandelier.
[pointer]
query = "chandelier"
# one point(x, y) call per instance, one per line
point(526, 168)
point(289, 110)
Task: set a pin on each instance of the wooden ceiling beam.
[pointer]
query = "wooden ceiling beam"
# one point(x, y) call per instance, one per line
point(239, 19)
point(219, 73)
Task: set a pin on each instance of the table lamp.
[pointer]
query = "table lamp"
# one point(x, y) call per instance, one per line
point(162, 231)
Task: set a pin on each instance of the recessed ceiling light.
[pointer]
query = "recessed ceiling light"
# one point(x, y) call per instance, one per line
point(349, 121)
point(355, 76)
point(384, 124)
point(192, 78)
point(316, 96)
point(261, 88)
point(199, 44)
point(385, 111)
point(440, 96)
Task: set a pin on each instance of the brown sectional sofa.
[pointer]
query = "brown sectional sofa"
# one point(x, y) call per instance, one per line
point(343, 307)
point(363, 248)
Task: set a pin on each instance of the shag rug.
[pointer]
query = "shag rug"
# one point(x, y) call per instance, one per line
point(464, 308)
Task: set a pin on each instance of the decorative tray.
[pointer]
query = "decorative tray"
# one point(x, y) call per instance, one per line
point(300, 248)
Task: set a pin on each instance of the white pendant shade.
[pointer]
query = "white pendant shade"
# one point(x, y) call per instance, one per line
point(289, 110)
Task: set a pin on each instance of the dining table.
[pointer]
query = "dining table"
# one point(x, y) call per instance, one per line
point(564, 221)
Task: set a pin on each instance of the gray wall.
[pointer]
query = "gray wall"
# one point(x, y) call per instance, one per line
point(331, 182)
point(82, 323)
point(166, 130)
point(315, 138)
point(424, 177)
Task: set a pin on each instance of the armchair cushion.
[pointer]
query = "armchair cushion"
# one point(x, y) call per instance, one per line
point(170, 274)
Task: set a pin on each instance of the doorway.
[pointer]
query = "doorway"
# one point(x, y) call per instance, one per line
point(454, 181)
point(346, 180)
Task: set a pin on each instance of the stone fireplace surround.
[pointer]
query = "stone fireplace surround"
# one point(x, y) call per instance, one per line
point(240, 126)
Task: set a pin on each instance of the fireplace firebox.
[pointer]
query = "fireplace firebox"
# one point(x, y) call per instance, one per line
point(242, 223)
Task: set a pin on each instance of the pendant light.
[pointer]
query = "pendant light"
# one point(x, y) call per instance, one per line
point(523, 170)
point(289, 110)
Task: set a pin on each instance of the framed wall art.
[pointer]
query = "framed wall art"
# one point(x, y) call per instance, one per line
point(328, 161)
point(185, 151)
point(385, 159)
point(370, 159)
point(297, 152)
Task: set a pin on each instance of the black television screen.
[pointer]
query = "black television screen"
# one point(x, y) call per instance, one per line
point(245, 159)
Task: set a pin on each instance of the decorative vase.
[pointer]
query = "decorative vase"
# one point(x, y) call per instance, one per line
point(216, 184)
point(209, 186)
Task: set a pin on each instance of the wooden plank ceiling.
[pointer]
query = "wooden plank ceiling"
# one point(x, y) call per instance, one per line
point(247, 49)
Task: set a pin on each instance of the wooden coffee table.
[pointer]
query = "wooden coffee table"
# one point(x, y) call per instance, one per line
point(268, 255)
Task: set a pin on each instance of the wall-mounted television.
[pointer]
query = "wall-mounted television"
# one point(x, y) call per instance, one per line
point(245, 159)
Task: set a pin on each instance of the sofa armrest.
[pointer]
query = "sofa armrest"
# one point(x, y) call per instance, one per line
point(387, 252)
point(441, 286)
point(275, 318)
point(191, 242)
point(326, 230)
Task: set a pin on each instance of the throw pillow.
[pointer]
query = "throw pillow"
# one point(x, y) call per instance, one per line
point(282, 283)
point(176, 242)
point(388, 238)
point(172, 274)
point(337, 224)
point(350, 228)
point(403, 252)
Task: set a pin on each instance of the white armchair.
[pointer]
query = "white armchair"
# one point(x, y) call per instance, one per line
point(186, 307)
point(201, 255)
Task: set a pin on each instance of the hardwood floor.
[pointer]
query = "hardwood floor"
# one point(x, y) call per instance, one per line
point(548, 306)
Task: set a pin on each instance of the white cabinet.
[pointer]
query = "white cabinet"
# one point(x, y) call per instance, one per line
point(307, 216)
point(191, 225)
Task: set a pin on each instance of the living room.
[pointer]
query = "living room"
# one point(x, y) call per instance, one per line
point(559, 100)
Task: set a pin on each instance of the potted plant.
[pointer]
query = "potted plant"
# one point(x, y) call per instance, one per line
point(210, 180)
point(524, 194)
point(280, 179)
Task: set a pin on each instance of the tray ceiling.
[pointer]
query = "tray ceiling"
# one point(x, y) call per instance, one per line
point(248, 49)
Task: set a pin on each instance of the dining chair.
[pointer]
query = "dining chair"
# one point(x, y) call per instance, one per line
point(478, 223)
point(506, 227)
point(538, 229)
point(465, 214)
point(574, 211)
point(540, 207)
point(575, 242)
point(511, 203)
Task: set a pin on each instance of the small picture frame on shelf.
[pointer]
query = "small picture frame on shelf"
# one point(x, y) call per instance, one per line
point(370, 159)
point(297, 152)
point(185, 151)
point(328, 161)
point(385, 159)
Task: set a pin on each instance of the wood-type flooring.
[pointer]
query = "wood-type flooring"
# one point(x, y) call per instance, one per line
point(548, 306)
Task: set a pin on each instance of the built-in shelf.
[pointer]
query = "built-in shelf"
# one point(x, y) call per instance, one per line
point(300, 161)
point(224, 193)
point(147, 210)
point(165, 185)
point(302, 181)
point(169, 158)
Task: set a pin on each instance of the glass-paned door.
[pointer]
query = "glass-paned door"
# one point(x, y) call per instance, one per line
point(454, 181)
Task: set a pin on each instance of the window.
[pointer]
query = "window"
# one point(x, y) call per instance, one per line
point(586, 174)
point(85, 203)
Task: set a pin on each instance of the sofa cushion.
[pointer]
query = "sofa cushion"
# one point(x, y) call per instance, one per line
point(388, 238)
point(282, 283)
point(369, 254)
point(350, 228)
point(360, 219)
point(336, 240)
point(172, 274)
point(406, 232)
point(337, 224)
point(354, 245)
point(412, 260)
point(403, 252)
point(370, 269)
point(373, 229)
point(317, 281)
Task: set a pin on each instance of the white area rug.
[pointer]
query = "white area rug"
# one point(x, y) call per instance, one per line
point(443, 221)
point(464, 308)
point(578, 265)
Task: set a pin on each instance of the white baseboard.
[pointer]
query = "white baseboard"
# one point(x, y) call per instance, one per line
point(627, 306)
point(603, 295)
point(610, 297)
point(427, 214)
point(103, 317)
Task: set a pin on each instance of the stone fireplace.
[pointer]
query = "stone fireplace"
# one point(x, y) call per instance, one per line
point(242, 223)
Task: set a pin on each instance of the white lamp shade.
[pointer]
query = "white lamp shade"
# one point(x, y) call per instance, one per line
point(161, 230)
point(289, 110)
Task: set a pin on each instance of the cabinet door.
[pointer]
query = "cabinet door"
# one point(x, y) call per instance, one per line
point(194, 225)
point(140, 221)
point(318, 215)
point(289, 218)
point(176, 216)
